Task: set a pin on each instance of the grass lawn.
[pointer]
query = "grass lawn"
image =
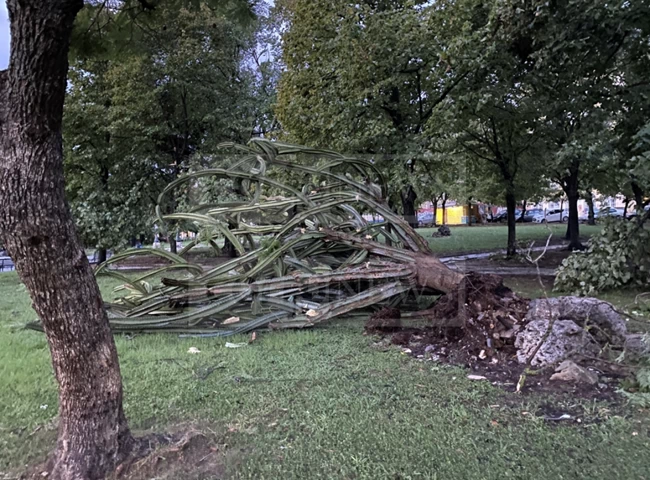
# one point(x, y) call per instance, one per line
point(323, 404)
point(490, 237)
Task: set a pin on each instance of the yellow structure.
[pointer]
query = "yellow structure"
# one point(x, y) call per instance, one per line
point(460, 214)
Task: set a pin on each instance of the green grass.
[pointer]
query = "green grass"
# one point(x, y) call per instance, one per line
point(319, 404)
point(481, 238)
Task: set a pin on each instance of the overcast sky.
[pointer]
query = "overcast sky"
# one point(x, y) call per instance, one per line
point(4, 35)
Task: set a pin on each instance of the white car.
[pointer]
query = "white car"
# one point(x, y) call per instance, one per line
point(552, 216)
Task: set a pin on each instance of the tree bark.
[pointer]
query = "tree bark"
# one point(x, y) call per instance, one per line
point(638, 196)
point(40, 236)
point(408, 206)
point(444, 209)
point(511, 206)
point(573, 228)
point(102, 254)
point(171, 238)
point(523, 210)
point(435, 212)
point(591, 218)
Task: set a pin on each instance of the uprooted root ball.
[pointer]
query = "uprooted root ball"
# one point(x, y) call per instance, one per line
point(488, 313)
point(388, 319)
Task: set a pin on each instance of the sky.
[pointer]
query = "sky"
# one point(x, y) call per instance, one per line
point(4, 35)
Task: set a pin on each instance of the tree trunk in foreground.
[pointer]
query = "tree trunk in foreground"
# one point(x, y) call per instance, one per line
point(93, 435)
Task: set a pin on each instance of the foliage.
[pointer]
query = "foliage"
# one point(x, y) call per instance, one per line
point(638, 167)
point(365, 78)
point(143, 109)
point(314, 239)
point(618, 257)
point(109, 196)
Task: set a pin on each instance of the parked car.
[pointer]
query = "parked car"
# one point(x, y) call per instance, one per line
point(425, 219)
point(532, 214)
point(606, 212)
point(502, 216)
point(609, 212)
point(553, 216)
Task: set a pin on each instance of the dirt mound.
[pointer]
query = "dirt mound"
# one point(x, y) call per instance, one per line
point(487, 313)
point(388, 319)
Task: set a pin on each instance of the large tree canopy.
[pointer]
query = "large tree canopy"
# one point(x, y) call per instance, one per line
point(170, 91)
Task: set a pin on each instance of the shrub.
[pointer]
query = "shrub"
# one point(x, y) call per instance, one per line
point(619, 256)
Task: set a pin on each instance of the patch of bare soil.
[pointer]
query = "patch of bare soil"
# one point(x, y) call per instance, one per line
point(475, 327)
point(189, 454)
point(500, 366)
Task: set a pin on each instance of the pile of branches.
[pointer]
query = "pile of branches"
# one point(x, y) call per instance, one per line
point(304, 255)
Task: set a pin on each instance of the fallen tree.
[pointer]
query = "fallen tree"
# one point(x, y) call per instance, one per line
point(304, 256)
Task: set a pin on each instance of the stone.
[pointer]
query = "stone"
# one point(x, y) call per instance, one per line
point(569, 371)
point(601, 318)
point(566, 339)
point(637, 346)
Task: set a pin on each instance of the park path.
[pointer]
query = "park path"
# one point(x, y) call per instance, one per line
point(479, 262)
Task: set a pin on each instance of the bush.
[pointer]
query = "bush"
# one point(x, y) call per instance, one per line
point(619, 256)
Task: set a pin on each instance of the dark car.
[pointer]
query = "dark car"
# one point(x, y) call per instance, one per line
point(530, 215)
point(502, 217)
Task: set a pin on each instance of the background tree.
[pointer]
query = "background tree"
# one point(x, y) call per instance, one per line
point(178, 87)
point(107, 186)
point(365, 78)
point(577, 55)
point(490, 118)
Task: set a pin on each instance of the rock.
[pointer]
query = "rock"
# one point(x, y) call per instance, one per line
point(602, 320)
point(569, 371)
point(637, 346)
point(566, 339)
